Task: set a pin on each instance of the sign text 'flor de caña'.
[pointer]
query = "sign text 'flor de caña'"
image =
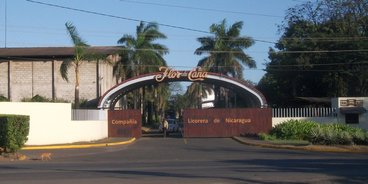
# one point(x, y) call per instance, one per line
point(196, 74)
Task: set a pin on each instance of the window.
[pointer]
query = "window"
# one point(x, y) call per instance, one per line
point(352, 118)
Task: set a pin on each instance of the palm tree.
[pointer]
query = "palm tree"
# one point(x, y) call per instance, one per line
point(161, 96)
point(143, 54)
point(140, 54)
point(195, 92)
point(225, 51)
point(80, 55)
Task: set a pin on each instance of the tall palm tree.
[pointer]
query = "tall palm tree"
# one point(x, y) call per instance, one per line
point(141, 54)
point(80, 55)
point(225, 51)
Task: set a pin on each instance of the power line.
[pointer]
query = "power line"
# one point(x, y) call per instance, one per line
point(114, 16)
point(131, 19)
point(301, 70)
point(201, 9)
point(343, 38)
point(227, 51)
point(320, 51)
point(317, 64)
point(55, 31)
point(273, 67)
point(282, 52)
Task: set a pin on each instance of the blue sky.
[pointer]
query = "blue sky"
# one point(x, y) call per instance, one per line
point(34, 25)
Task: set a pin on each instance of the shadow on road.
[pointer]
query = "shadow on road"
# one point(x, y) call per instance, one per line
point(157, 134)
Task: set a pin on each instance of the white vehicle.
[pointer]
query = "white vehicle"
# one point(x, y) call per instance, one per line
point(173, 126)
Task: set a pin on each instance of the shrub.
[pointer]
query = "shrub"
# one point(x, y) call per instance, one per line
point(266, 137)
point(36, 98)
point(316, 135)
point(14, 130)
point(3, 99)
point(337, 134)
point(329, 136)
point(344, 138)
point(39, 98)
point(293, 129)
point(360, 137)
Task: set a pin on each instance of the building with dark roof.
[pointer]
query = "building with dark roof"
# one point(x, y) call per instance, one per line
point(27, 72)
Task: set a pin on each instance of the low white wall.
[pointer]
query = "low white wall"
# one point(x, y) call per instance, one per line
point(50, 123)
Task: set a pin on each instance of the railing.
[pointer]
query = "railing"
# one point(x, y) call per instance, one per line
point(303, 112)
point(87, 114)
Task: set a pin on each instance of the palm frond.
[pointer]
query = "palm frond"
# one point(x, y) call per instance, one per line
point(241, 42)
point(234, 30)
point(245, 59)
point(65, 65)
point(225, 49)
point(127, 40)
point(73, 33)
point(219, 29)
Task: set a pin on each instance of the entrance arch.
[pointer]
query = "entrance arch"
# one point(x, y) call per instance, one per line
point(251, 96)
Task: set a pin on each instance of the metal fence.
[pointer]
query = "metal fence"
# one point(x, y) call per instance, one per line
point(88, 115)
point(303, 112)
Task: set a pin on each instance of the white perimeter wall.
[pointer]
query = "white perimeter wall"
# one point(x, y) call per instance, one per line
point(50, 123)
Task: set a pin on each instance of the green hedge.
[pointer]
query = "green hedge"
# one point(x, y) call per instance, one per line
point(317, 133)
point(14, 130)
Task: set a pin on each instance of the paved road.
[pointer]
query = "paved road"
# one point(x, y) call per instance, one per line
point(174, 160)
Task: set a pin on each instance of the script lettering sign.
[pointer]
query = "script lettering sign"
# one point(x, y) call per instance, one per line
point(196, 74)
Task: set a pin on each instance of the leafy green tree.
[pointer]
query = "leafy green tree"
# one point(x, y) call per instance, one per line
point(225, 51)
point(321, 53)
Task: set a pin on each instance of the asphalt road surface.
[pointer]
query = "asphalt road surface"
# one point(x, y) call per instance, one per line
point(177, 160)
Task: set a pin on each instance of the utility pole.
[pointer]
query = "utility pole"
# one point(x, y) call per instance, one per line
point(6, 22)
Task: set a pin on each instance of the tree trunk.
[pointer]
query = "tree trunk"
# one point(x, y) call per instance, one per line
point(143, 111)
point(76, 90)
point(217, 95)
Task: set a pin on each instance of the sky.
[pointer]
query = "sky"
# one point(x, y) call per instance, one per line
point(29, 24)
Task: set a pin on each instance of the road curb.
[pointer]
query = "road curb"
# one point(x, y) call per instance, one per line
point(302, 148)
point(79, 146)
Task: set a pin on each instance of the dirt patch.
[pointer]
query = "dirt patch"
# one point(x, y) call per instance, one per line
point(13, 157)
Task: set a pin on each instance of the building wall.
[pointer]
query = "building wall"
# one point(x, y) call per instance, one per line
point(41, 78)
point(30, 78)
point(363, 118)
